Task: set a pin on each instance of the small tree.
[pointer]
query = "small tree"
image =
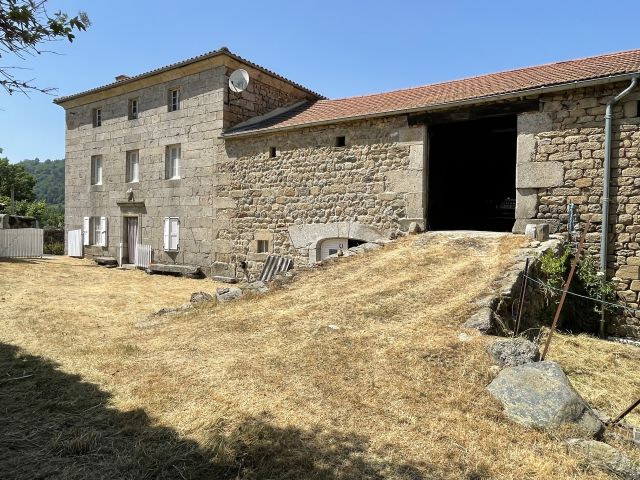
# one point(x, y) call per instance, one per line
point(24, 26)
point(16, 177)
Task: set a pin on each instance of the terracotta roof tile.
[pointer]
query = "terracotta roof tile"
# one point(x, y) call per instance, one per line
point(440, 94)
point(204, 56)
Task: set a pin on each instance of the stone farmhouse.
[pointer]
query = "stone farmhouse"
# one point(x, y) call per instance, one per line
point(210, 177)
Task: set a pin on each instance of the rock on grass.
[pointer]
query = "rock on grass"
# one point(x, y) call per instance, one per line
point(605, 457)
point(510, 352)
point(540, 395)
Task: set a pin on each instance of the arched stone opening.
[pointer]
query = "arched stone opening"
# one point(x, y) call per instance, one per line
point(308, 239)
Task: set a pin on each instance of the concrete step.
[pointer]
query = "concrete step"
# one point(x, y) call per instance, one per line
point(191, 271)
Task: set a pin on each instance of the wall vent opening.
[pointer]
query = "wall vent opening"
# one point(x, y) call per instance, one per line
point(340, 141)
point(262, 246)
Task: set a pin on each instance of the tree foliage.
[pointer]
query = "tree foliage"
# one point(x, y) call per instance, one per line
point(27, 201)
point(25, 25)
point(16, 176)
point(49, 177)
point(47, 215)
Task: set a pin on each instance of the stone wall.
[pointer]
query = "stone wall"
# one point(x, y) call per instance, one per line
point(196, 126)
point(312, 189)
point(574, 140)
point(204, 109)
point(263, 95)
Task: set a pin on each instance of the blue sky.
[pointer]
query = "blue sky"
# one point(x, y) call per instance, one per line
point(338, 48)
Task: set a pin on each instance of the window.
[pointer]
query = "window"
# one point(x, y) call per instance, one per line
point(97, 117)
point(133, 166)
point(171, 233)
point(94, 231)
point(340, 141)
point(172, 163)
point(96, 170)
point(133, 108)
point(263, 246)
point(272, 152)
point(174, 100)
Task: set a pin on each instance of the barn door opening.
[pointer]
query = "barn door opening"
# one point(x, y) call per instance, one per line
point(472, 174)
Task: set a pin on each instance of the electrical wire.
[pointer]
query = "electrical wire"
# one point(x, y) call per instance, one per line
point(603, 302)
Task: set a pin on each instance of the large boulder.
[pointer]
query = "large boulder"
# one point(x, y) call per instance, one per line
point(227, 294)
point(510, 352)
point(606, 457)
point(540, 395)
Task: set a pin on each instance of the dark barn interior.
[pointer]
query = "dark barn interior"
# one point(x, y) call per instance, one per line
point(472, 174)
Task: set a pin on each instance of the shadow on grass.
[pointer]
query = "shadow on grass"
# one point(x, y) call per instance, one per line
point(28, 260)
point(55, 426)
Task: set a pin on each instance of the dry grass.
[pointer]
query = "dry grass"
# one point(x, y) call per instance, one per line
point(354, 371)
point(605, 373)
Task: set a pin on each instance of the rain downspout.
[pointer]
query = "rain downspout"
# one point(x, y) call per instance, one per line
point(606, 182)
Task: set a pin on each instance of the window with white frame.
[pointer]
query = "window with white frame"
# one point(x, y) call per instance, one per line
point(171, 234)
point(133, 166)
point(172, 162)
point(173, 103)
point(94, 231)
point(133, 108)
point(97, 117)
point(96, 170)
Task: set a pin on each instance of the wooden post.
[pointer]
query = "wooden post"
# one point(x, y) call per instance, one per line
point(522, 295)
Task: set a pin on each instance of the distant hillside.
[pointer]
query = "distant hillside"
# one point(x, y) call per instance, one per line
point(50, 179)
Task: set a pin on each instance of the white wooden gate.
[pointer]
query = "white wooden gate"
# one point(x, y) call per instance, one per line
point(74, 243)
point(21, 242)
point(143, 256)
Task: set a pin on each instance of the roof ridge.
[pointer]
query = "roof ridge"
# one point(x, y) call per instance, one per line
point(203, 56)
point(473, 77)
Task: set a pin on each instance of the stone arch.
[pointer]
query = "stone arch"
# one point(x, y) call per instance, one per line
point(307, 238)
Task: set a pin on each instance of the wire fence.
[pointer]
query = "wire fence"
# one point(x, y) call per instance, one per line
point(597, 300)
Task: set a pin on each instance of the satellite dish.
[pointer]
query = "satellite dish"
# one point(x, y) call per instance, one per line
point(239, 80)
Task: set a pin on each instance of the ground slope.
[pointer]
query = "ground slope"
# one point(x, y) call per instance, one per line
point(355, 370)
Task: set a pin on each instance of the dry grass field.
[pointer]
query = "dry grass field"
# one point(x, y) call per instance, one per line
point(354, 371)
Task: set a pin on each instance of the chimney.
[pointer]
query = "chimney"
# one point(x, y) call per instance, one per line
point(120, 78)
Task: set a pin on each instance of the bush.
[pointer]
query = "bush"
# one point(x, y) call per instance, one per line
point(55, 248)
point(579, 313)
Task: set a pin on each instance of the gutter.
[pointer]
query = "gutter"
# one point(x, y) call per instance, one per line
point(606, 184)
point(443, 106)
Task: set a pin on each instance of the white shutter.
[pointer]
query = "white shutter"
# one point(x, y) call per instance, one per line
point(85, 231)
point(166, 233)
point(174, 233)
point(103, 231)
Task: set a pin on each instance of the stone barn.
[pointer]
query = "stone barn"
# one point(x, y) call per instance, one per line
point(212, 177)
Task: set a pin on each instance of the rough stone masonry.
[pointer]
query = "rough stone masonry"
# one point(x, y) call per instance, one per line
point(277, 169)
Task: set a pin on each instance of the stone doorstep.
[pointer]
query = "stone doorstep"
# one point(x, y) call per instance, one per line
point(106, 261)
point(169, 268)
point(223, 279)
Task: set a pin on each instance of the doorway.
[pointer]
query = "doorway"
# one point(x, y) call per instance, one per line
point(472, 175)
point(131, 237)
